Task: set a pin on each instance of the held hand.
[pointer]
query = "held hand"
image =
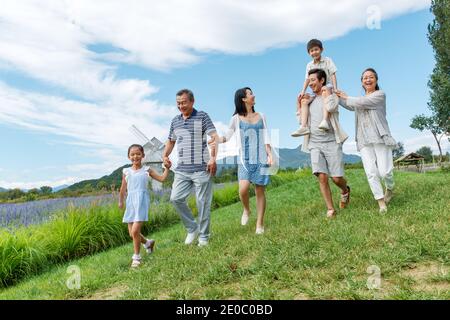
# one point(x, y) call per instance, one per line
point(300, 97)
point(341, 94)
point(121, 205)
point(167, 162)
point(212, 167)
point(306, 99)
point(213, 140)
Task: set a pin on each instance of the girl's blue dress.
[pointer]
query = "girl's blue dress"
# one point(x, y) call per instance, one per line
point(138, 198)
point(254, 155)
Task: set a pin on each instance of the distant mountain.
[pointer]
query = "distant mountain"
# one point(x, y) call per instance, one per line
point(62, 187)
point(3, 190)
point(289, 158)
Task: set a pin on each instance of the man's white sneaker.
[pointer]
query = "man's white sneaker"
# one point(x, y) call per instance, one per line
point(202, 243)
point(383, 210)
point(324, 125)
point(149, 245)
point(260, 230)
point(300, 132)
point(191, 237)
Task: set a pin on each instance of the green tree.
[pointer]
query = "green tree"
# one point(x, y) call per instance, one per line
point(34, 191)
point(439, 37)
point(46, 190)
point(426, 152)
point(102, 185)
point(399, 151)
point(15, 194)
point(88, 188)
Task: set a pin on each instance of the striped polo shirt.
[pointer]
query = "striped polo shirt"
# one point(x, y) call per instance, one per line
point(190, 135)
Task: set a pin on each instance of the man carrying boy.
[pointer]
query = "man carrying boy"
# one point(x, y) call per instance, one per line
point(325, 146)
point(315, 50)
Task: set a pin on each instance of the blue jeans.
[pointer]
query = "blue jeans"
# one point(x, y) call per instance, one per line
point(181, 189)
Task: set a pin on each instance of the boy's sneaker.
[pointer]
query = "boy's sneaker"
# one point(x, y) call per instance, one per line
point(300, 132)
point(149, 245)
point(388, 196)
point(345, 199)
point(191, 237)
point(202, 243)
point(324, 125)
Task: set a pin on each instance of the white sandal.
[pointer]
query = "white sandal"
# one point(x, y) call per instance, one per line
point(136, 262)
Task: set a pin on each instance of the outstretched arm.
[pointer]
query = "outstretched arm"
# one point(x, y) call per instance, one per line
point(372, 101)
point(157, 177)
point(212, 166)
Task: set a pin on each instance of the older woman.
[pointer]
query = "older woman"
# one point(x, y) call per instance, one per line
point(373, 137)
point(249, 128)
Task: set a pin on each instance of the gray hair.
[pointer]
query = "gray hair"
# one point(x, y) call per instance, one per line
point(186, 91)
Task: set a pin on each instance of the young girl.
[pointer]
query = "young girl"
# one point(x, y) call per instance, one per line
point(135, 183)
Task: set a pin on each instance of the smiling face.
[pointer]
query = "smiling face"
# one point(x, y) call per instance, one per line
point(136, 155)
point(249, 98)
point(369, 81)
point(315, 53)
point(184, 104)
point(315, 84)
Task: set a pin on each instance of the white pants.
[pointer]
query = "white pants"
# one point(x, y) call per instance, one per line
point(378, 164)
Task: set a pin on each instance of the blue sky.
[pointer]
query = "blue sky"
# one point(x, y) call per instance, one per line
point(66, 118)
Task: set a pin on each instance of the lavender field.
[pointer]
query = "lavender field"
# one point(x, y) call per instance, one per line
point(28, 213)
point(35, 212)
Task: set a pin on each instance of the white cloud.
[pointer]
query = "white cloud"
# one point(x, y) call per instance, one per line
point(38, 184)
point(51, 42)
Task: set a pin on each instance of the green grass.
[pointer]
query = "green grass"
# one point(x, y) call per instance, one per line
point(79, 232)
point(301, 255)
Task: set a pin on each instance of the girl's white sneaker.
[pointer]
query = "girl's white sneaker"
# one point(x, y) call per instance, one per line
point(136, 262)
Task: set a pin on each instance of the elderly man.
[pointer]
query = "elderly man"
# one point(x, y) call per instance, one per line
point(325, 146)
point(195, 165)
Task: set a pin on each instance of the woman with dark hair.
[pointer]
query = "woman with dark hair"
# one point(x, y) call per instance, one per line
point(254, 151)
point(373, 137)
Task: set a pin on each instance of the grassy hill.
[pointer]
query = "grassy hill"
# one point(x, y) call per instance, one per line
point(302, 255)
point(115, 178)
